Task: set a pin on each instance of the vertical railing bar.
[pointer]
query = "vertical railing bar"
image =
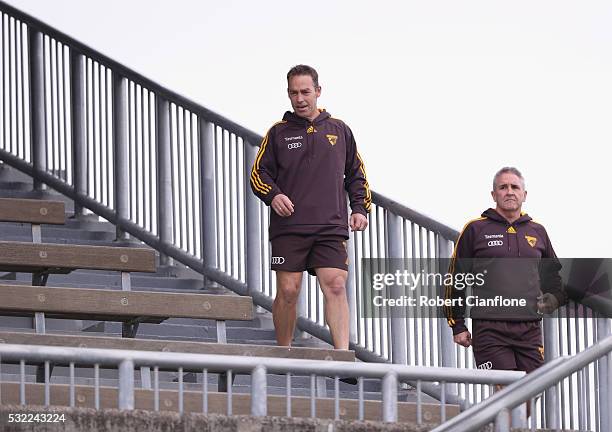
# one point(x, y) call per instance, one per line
point(58, 166)
point(145, 167)
point(18, 86)
point(241, 203)
point(102, 113)
point(156, 388)
point(561, 414)
point(229, 393)
point(185, 195)
point(3, 68)
point(336, 398)
point(24, 76)
point(137, 158)
point(152, 168)
point(226, 249)
point(56, 116)
point(97, 128)
point(419, 403)
point(47, 386)
point(52, 107)
point(180, 394)
point(218, 195)
point(371, 225)
point(205, 391)
point(90, 167)
point(11, 23)
point(443, 401)
point(288, 394)
point(1, 355)
point(22, 393)
point(313, 407)
point(97, 386)
point(145, 181)
point(72, 390)
point(361, 400)
point(196, 206)
point(230, 168)
point(379, 246)
point(532, 419)
point(65, 80)
point(173, 174)
point(132, 182)
point(15, 94)
point(365, 326)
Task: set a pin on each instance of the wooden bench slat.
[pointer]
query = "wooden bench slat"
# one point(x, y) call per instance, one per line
point(115, 305)
point(16, 256)
point(175, 346)
point(32, 211)
point(217, 403)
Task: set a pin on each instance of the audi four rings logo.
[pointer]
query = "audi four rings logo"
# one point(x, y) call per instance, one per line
point(487, 365)
point(495, 243)
point(278, 260)
point(294, 145)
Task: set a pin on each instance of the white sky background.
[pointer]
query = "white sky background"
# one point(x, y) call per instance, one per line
point(439, 94)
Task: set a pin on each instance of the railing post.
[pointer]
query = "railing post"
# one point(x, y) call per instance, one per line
point(448, 352)
point(37, 104)
point(120, 150)
point(604, 371)
point(502, 421)
point(351, 289)
point(126, 385)
point(79, 138)
point(259, 392)
point(551, 352)
point(253, 225)
point(206, 131)
point(389, 395)
point(398, 321)
point(164, 175)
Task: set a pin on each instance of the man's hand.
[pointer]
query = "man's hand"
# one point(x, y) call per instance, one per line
point(358, 222)
point(547, 304)
point(282, 205)
point(463, 338)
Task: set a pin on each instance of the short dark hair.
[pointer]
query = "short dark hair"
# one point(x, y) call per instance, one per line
point(304, 70)
point(511, 170)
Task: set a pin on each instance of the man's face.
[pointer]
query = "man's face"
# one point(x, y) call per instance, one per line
point(303, 95)
point(509, 193)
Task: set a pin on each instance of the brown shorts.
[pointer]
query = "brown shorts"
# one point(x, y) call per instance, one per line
point(296, 253)
point(507, 345)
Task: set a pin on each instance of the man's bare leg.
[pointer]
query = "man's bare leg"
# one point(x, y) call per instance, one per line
point(284, 308)
point(333, 285)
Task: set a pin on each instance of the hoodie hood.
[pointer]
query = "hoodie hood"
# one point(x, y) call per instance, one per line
point(493, 215)
point(294, 118)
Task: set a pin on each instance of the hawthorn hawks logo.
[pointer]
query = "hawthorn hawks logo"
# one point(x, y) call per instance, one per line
point(332, 139)
point(531, 240)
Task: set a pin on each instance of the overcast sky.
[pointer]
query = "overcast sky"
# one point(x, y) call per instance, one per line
point(440, 94)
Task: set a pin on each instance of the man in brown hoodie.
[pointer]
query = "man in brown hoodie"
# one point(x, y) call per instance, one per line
point(506, 338)
point(305, 166)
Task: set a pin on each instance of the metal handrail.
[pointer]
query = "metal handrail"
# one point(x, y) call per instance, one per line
point(223, 149)
point(131, 73)
point(258, 367)
point(252, 137)
point(529, 386)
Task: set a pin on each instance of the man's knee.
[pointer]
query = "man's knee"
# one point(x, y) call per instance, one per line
point(336, 286)
point(288, 288)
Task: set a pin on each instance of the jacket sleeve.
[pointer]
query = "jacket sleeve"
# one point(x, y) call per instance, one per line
point(355, 180)
point(460, 263)
point(265, 171)
point(549, 272)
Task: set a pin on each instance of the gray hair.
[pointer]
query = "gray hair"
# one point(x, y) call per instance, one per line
point(510, 170)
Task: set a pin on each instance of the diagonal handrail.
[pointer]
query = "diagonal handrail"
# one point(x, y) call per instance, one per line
point(519, 392)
